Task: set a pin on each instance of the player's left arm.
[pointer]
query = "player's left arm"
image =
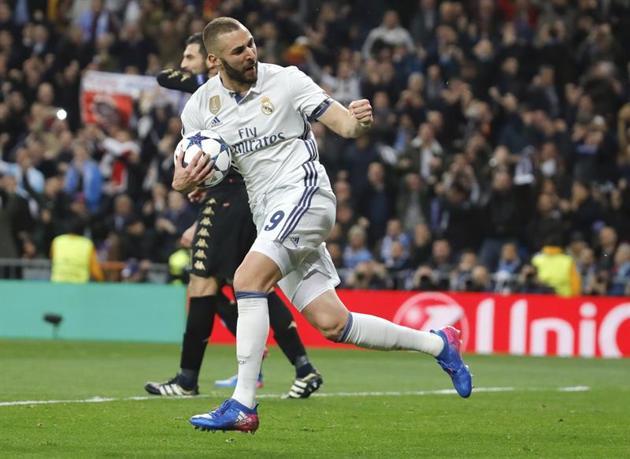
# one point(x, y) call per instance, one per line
point(348, 122)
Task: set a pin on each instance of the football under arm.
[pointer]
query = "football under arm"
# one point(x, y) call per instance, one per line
point(338, 119)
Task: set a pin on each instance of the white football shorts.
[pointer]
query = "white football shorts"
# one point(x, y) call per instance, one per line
point(291, 231)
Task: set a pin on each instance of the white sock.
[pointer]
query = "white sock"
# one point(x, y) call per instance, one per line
point(251, 335)
point(377, 333)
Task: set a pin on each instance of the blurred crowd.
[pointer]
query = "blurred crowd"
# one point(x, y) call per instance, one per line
point(502, 129)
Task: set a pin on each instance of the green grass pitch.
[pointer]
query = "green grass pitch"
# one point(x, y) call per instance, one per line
point(373, 404)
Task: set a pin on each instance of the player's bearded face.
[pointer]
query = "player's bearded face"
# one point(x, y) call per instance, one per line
point(248, 74)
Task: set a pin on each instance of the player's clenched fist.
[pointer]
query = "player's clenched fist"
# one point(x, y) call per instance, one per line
point(361, 110)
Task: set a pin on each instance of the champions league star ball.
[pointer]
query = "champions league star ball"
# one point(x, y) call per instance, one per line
point(211, 144)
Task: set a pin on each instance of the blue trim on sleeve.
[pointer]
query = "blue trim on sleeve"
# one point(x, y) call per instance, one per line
point(320, 109)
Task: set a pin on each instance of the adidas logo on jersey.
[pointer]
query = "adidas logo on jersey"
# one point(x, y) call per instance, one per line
point(215, 121)
point(294, 239)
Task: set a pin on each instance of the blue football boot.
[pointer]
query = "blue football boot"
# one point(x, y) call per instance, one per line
point(231, 415)
point(450, 359)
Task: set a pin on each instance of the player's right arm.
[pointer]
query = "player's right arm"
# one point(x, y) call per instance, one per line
point(187, 178)
point(313, 102)
point(348, 122)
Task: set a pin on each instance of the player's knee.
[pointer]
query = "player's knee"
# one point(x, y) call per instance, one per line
point(250, 280)
point(332, 328)
point(257, 273)
point(241, 282)
point(328, 314)
point(202, 286)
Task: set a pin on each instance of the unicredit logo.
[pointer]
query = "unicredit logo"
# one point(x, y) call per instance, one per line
point(431, 311)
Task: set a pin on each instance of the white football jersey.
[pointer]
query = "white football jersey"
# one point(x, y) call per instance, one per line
point(267, 129)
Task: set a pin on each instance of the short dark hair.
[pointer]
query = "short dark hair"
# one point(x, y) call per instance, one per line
point(217, 27)
point(197, 39)
point(76, 225)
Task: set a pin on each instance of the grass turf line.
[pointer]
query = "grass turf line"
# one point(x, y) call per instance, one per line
point(520, 423)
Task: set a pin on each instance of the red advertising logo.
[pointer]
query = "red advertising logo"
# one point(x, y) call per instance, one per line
point(537, 325)
point(432, 311)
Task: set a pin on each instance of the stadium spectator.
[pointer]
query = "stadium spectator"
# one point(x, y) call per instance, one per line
point(413, 201)
point(171, 222)
point(368, 275)
point(527, 281)
point(599, 284)
point(29, 180)
point(555, 268)
point(424, 21)
point(455, 218)
point(398, 265)
point(356, 251)
point(345, 86)
point(16, 221)
point(120, 163)
point(346, 218)
point(576, 246)
point(424, 154)
point(546, 219)
point(95, 21)
point(618, 212)
point(461, 276)
point(620, 284)
point(501, 219)
point(74, 257)
point(343, 192)
point(587, 267)
point(509, 262)
point(394, 233)
point(358, 157)
point(377, 202)
point(54, 210)
point(134, 271)
point(83, 178)
point(606, 247)
point(389, 34)
point(441, 262)
point(582, 211)
point(424, 279)
point(122, 215)
point(508, 268)
point(480, 280)
point(465, 95)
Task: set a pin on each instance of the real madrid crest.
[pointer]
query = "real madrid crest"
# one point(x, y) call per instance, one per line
point(215, 104)
point(266, 106)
